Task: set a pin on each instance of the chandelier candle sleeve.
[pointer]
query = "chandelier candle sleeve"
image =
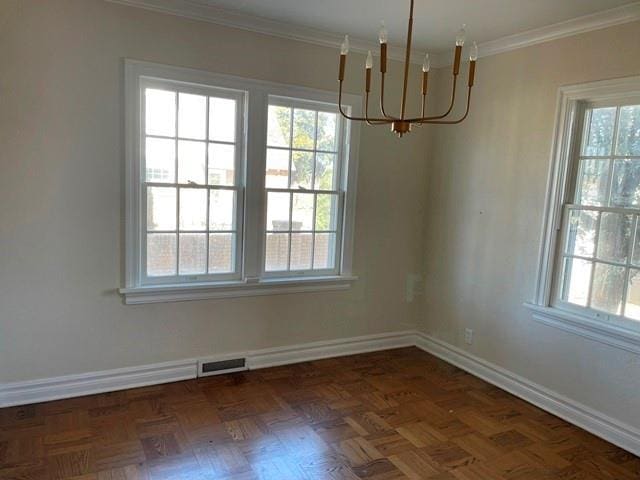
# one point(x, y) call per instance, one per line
point(426, 66)
point(368, 66)
point(473, 56)
point(401, 123)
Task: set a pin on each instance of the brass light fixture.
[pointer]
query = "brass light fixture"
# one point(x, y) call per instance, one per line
point(402, 124)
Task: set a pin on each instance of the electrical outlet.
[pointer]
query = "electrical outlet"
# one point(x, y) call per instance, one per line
point(468, 336)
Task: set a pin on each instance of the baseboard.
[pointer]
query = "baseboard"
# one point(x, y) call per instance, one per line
point(334, 348)
point(603, 426)
point(68, 386)
point(34, 391)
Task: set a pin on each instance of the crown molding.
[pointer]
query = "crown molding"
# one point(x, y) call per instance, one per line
point(587, 23)
point(229, 18)
point(197, 10)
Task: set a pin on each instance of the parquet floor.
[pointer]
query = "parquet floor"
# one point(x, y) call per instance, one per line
point(399, 414)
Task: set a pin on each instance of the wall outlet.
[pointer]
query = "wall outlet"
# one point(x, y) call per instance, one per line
point(468, 336)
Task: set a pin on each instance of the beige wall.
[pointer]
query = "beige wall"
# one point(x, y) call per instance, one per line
point(466, 201)
point(61, 197)
point(486, 189)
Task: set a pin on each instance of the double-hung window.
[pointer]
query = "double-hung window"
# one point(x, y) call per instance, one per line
point(304, 153)
point(190, 183)
point(590, 267)
point(234, 187)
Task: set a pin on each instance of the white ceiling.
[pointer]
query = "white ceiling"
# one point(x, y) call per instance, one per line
point(435, 23)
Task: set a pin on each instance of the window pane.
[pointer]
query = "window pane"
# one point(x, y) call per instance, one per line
point(279, 126)
point(301, 169)
point(632, 308)
point(193, 253)
point(575, 281)
point(326, 205)
point(301, 248)
point(327, 131)
point(222, 252)
point(600, 132)
point(161, 254)
point(222, 206)
point(192, 116)
point(608, 283)
point(304, 128)
point(160, 112)
point(625, 189)
point(302, 215)
point(277, 252)
point(191, 162)
point(325, 171)
point(277, 170)
point(324, 251)
point(592, 182)
point(221, 164)
point(160, 161)
point(581, 234)
point(222, 119)
point(161, 208)
point(629, 131)
point(193, 209)
point(278, 205)
point(614, 237)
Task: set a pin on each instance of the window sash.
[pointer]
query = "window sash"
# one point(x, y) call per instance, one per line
point(580, 137)
point(341, 148)
point(238, 187)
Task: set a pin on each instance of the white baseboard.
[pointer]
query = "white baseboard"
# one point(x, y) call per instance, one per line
point(334, 348)
point(67, 386)
point(612, 430)
point(603, 426)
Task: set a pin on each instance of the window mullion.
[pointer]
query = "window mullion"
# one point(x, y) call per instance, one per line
point(206, 178)
point(255, 197)
point(175, 179)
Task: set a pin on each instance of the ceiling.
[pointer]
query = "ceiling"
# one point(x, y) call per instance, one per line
point(435, 22)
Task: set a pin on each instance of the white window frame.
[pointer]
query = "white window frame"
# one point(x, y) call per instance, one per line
point(342, 152)
point(611, 330)
point(140, 252)
point(251, 280)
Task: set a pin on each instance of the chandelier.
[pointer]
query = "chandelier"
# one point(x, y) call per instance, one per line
point(402, 124)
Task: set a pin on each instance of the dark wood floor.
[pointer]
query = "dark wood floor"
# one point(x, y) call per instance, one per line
point(386, 415)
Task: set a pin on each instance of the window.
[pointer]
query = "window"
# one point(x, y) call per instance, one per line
point(600, 261)
point(589, 275)
point(234, 187)
point(301, 180)
point(191, 157)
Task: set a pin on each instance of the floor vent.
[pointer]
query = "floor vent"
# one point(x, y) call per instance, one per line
point(222, 366)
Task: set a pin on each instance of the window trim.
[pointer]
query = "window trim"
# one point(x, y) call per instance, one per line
point(251, 279)
point(606, 329)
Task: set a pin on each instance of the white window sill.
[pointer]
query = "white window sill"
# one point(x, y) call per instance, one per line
point(598, 330)
point(240, 288)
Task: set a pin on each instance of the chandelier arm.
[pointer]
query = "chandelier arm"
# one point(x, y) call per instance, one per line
point(446, 122)
point(451, 104)
point(424, 107)
point(370, 121)
point(407, 59)
point(382, 110)
point(358, 119)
